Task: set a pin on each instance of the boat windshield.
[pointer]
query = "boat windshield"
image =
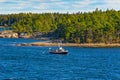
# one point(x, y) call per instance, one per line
point(61, 49)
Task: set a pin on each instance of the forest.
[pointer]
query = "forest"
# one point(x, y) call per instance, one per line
point(82, 27)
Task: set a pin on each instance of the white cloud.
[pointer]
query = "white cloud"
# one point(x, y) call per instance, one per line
point(2, 0)
point(115, 4)
point(81, 3)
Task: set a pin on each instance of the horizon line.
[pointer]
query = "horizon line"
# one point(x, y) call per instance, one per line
point(57, 11)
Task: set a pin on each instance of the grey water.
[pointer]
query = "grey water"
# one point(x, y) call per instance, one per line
point(36, 63)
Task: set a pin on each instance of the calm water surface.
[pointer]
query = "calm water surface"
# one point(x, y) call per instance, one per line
point(35, 63)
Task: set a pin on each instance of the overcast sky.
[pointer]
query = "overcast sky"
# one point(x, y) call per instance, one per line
point(61, 6)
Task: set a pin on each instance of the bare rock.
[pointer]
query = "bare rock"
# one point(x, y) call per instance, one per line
point(8, 34)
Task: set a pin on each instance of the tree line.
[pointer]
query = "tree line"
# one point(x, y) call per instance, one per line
point(88, 27)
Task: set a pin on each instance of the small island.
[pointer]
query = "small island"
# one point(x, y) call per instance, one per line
point(92, 29)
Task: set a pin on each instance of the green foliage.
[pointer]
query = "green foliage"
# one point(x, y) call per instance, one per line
point(93, 27)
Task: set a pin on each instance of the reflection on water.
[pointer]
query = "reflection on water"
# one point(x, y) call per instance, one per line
point(35, 63)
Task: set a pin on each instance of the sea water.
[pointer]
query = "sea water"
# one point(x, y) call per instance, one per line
point(36, 63)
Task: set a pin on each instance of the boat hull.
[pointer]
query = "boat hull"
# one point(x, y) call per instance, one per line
point(61, 52)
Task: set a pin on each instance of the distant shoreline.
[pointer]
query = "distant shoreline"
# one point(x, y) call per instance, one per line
point(70, 44)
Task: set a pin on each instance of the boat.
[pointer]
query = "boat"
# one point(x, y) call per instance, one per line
point(60, 50)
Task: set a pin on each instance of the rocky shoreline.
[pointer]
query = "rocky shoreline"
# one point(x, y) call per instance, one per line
point(8, 34)
point(70, 44)
point(12, 34)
